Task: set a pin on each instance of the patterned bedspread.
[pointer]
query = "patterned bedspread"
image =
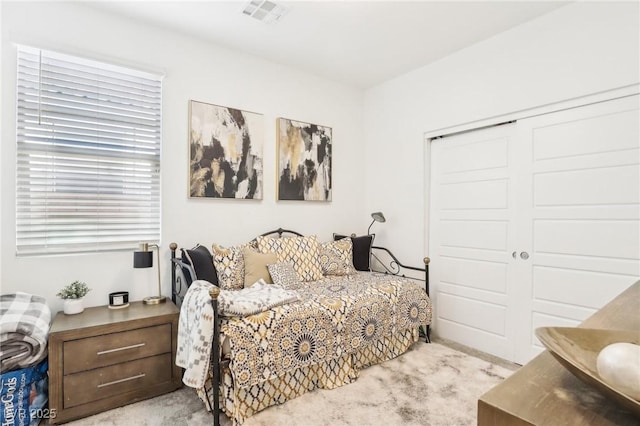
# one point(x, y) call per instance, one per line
point(336, 316)
point(195, 327)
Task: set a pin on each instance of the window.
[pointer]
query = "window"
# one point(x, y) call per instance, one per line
point(88, 155)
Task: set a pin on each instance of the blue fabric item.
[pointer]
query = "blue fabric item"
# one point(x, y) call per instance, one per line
point(24, 395)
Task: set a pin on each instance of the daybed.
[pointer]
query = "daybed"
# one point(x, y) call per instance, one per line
point(317, 326)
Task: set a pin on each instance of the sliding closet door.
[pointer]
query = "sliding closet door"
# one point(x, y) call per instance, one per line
point(471, 238)
point(580, 213)
point(533, 224)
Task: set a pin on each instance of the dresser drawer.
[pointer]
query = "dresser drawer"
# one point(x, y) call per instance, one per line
point(88, 386)
point(114, 348)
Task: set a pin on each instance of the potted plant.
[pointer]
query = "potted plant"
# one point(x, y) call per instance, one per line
point(72, 295)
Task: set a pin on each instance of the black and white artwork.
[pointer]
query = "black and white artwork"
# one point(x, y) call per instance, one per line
point(225, 152)
point(304, 161)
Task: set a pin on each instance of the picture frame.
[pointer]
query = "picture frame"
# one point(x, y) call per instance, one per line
point(225, 152)
point(304, 161)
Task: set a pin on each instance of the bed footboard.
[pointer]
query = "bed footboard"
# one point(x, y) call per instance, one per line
point(214, 292)
point(394, 267)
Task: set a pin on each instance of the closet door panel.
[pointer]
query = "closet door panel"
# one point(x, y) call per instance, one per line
point(607, 239)
point(629, 270)
point(484, 318)
point(471, 228)
point(475, 234)
point(582, 226)
point(572, 138)
point(486, 194)
point(566, 188)
point(475, 155)
point(465, 270)
point(533, 224)
point(561, 284)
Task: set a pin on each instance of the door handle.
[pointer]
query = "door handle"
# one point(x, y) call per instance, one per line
point(514, 254)
point(524, 255)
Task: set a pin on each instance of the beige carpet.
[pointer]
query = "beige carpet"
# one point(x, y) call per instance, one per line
point(431, 384)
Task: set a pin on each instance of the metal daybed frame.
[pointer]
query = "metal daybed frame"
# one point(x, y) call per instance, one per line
point(391, 266)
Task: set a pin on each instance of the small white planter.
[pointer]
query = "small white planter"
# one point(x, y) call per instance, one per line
point(73, 306)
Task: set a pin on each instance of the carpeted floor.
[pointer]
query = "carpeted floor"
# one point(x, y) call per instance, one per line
point(431, 384)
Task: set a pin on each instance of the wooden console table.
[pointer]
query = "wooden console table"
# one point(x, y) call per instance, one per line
point(543, 392)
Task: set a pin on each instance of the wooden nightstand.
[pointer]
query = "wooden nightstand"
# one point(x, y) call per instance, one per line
point(105, 358)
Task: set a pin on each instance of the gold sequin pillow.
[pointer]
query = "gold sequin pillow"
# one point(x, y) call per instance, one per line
point(229, 263)
point(302, 252)
point(336, 257)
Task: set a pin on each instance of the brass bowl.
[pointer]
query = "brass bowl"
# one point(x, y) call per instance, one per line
point(577, 350)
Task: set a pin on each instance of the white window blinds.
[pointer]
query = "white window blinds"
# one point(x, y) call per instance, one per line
point(88, 155)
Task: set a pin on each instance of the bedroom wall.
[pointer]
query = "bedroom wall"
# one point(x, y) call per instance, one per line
point(579, 49)
point(193, 70)
point(2, 202)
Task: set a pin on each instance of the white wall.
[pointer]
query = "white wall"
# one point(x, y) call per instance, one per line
point(194, 70)
point(2, 202)
point(579, 49)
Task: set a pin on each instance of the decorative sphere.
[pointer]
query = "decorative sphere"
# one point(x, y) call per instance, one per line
point(618, 365)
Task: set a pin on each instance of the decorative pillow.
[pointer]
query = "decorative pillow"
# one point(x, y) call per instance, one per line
point(229, 263)
point(361, 250)
point(336, 257)
point(303, 252)
point(255, 266)
point(200, 259)
point(282, 273)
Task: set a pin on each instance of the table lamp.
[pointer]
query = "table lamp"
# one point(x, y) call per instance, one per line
point(143, 258)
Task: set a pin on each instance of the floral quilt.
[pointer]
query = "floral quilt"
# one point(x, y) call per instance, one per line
point(335, 317)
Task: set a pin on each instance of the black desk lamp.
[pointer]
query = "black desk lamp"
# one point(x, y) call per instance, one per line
point(143, 258)
point(377, 217)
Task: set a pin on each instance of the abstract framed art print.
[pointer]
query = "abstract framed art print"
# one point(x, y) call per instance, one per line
point(304, 161)
point(225, 146)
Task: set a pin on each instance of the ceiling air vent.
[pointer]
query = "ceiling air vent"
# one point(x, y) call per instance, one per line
point(264, 10)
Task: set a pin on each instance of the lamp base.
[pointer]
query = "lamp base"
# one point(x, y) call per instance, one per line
point(154, 300)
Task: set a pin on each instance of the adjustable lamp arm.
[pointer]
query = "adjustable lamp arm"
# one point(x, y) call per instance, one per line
point(369, 229)
point(157, 247)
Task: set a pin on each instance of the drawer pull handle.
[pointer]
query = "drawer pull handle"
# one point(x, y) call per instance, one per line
point(124, 348)
point(102, 385)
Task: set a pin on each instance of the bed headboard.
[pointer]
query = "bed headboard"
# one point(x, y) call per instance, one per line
point(182, 274)
point(281, 231)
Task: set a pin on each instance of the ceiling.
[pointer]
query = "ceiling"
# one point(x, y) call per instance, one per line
point(359, 43)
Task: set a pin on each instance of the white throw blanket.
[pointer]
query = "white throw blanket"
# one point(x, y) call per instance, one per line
point(253, 300)
point(195, 327)
point(25, 320)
